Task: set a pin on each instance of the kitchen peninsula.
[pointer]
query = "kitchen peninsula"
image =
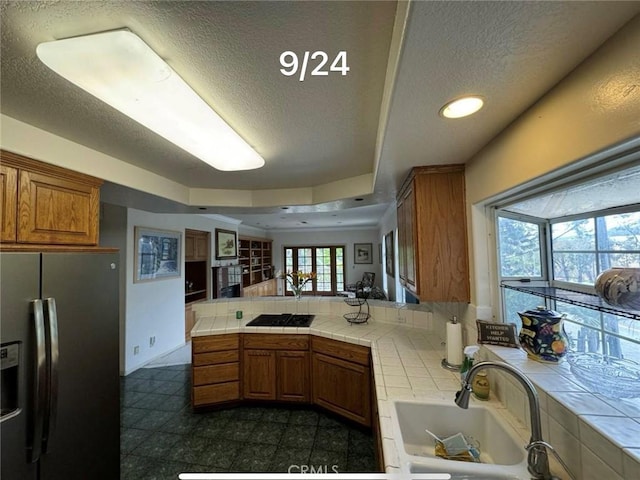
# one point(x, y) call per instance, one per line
point(406, 349)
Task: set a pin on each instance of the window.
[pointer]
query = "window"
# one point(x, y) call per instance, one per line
point(520, 244)
point(584, 248)
point(326, 261)
point(581, 247)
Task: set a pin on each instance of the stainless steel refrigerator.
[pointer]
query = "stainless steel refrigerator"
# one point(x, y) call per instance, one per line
point(59, 324)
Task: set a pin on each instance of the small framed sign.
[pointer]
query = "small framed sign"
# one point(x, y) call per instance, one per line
point(502, 334)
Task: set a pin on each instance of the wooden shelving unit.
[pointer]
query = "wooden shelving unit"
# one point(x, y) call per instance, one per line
point(255, 256)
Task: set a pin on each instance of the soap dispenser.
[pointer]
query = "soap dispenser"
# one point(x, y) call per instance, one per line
point(467, 363)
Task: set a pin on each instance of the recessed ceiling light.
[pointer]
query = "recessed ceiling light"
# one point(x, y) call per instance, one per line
point(358, 199)
point(120, 69)
point(284, 208)
point(202, 208)
point(462, 107)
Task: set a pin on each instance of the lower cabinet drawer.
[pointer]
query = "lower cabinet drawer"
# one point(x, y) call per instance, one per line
point(225, 372)
point(212, 358)
point(220, 392)
point(215, 343)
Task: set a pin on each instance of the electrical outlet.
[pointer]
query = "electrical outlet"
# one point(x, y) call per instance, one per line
point(152, 341)
point(136, 350)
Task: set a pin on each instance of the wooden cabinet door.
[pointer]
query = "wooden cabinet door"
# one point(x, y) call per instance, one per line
point(250, 291)
point(342, 387)
point(259, 369)
point(410, 240)
point(196, 246)
point(402, 242)
point(441, 235)
point(189, 247)
point(189, 321)
point(201, 247)
point(9, 199)
point(406, 239)
point(56, 210)
point(293, 376)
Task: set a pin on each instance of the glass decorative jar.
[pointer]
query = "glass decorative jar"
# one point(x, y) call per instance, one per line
point(620, 287)
point(542, 335)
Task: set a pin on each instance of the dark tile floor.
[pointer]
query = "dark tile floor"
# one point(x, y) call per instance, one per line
point(160, 436)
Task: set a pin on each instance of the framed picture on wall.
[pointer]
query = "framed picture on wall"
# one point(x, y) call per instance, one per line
point(388, 248)
point(157, 254)
point(363, 253)
point(226, 244)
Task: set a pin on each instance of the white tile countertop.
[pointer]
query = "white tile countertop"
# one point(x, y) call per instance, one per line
point(406, 364)
point(597, 437)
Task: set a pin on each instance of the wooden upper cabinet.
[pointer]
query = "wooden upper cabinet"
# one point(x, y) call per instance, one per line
point(432, 230)
point(196, 245)
point(9, 207)
point(54, 206)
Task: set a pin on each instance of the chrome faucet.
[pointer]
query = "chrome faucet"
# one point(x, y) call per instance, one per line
point(537, 460)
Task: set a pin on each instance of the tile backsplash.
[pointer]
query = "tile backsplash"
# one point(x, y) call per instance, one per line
point(596, 436)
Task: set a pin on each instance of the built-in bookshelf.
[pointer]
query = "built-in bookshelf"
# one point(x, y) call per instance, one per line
point(255, 256)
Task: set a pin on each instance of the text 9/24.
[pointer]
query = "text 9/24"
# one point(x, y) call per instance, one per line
point(290, 63)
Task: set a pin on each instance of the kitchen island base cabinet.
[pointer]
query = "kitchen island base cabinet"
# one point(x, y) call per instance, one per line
point(293, 378)
point(259, 367)
point(342, 379)
point(276, 367)
point(215, 369)
point(291, 368)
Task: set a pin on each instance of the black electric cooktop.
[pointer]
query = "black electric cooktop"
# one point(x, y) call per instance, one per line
point(281, 320)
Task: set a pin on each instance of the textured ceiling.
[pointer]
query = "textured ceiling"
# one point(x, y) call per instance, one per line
point(310, 132)
point(323, 129)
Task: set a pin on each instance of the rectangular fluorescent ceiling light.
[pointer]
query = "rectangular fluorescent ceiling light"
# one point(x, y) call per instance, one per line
point(120, 69)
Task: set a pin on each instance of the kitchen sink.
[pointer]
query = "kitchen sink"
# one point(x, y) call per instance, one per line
point(502, 452)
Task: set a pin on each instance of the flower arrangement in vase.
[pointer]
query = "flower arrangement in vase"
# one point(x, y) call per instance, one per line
point(297, 281)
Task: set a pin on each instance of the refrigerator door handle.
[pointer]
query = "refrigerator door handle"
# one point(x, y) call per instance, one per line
point(41, 383)
point(52, 330)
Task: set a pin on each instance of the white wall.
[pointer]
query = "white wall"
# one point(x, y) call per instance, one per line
point(345, 237)
point(113, 228)
point(389, 223)
point(152, 308)
point(592, 113)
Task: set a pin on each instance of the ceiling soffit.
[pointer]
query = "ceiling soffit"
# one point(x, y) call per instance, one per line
point(312, 132)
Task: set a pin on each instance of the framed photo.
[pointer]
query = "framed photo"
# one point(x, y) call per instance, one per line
point(388, 248)
point(157, 254)
point(226, 244)
point(363, 253)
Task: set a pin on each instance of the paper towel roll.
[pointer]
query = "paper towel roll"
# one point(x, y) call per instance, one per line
point(454, 343)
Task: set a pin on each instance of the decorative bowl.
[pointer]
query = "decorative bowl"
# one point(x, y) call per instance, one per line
point(609, 376)
point(620, 287)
